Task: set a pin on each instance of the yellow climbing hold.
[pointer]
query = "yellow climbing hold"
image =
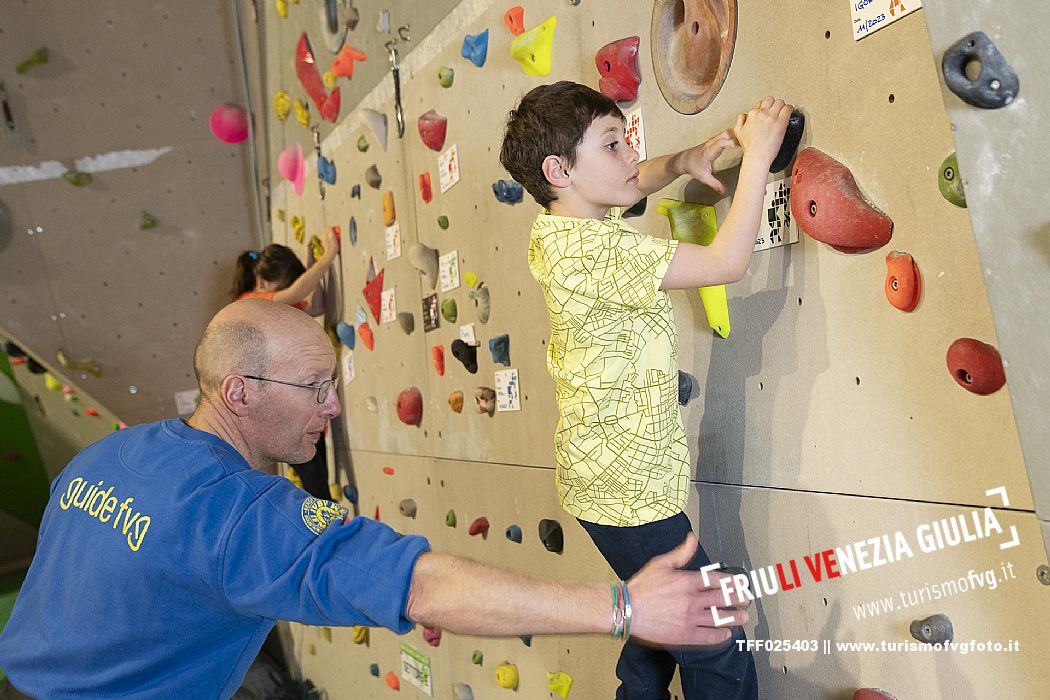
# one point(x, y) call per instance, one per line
point(299, 228)
point(280, 215)
point(695, 223)
point(316, 247)
point(328, 77)
point(302, 113)
point(559, 683)
point(52, 383)
point(533, 48)
point(326, 632)
point(282, 9)
point(471, 279)
point(507, 675)
point(282, 105)
point(360, 634)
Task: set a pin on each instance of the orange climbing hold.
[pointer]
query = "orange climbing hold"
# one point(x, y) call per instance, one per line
point(976, 366)
point(829, 207)
point(515, 19)
point(425, 189)
point(392, 681)
point(91, 412)
point(389, 211)
point(438, 353)
point(903, 283)
point(389, 471)
point(343, 65)
point(364, 331)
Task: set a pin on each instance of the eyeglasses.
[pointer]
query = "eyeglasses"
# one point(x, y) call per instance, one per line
point(323, 388)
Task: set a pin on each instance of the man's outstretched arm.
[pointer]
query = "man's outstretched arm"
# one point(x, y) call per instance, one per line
point(670, 606)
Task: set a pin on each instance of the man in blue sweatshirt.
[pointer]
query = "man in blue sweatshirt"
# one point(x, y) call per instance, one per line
point(166, 553)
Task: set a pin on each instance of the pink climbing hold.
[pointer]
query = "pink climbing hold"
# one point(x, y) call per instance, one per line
point(432, 128)
point(229, 122)
point(617, 62)
point(410, 406)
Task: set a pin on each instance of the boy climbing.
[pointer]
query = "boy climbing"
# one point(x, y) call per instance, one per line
point(623, 463)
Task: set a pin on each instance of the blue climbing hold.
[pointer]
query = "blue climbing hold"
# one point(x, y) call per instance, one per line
point(513, 533)
point(352, 226)
point(326, 170)
point(476, 47)
point(526, 639)
point(350, 492)
point(500, 349)
point(374, 670)
point(508, 191)
point(688, 387)
point(346, 334)
point(355, 191)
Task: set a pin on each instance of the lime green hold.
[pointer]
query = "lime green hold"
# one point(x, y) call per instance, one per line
point(445, 76)
point(77, 179)
point(477, 657)
point(443, 222)
point(147, 221)
point(950, 183)
point(37, 58)
point(449, 311)
point(450, 518)
point(560, 683)
point(362, 144)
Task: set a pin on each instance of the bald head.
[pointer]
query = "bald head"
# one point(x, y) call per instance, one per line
point(249, 337)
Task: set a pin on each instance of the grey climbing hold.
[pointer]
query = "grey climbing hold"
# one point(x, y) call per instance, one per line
point(463, 691)
point(499, 346)
point(995, 87)
point(688, 387)
point(407, 322)
point(449, 310)
point(372, 404)
point(551, 535)
point(485, 398)
point(425, 260)
point(373, 178)
point(482, 301)
point(376, 121)
point(407, 508)
point(935, 629)
point(513, 533)
point(467, 354)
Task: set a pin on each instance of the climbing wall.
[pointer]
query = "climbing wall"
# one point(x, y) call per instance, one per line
point(828, 420)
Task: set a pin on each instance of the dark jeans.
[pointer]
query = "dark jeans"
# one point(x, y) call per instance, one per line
point(314, 474)
point(719, 673)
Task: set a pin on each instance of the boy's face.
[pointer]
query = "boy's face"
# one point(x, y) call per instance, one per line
point(606, 170)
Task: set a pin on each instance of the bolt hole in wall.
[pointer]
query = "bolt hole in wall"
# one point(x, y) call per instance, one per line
point(892, 98)
point(827, 34)
point(972, 67)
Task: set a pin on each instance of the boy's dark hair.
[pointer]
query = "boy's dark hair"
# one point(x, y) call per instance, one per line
point(276, 263)
point(550, 120)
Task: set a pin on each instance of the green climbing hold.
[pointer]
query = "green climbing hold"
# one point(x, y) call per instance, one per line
point(450, 518)
point(362, 144)
point(449, 311)
point(950, 182)
point(77, 179)
point(443, 222)
point(477, 657)
point(446, 76)
point(37, 58)
point(147, 221)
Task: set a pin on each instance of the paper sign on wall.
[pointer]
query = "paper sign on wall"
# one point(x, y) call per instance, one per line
point(634, 133)
point(776, 227)
point(431, 317)
point(348, 366)
point(415, 668)
point(448, 271)
point(448, 169)
point(869, 16)
point(468, 335)
point(388, 308)
point(507, 395)
point(393, 241)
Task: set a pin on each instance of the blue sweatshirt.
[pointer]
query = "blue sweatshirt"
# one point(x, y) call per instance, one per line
point(164, 560)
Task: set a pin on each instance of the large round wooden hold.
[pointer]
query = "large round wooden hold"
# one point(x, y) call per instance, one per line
point(692, 44)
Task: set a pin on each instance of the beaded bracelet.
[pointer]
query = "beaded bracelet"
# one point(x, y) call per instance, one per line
point(621, 617)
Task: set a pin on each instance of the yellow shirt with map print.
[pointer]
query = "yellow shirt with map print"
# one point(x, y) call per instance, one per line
point(620, 444)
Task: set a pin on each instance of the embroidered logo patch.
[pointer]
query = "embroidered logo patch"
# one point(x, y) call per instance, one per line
point(319, 514)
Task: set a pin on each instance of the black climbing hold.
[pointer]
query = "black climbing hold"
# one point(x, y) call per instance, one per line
point(467, 354)
point(34, 366)
point(355, 191)
point(374, 670)
point(350, 492)
point(935, 629)
point(513, 533)
point(995, 87)
point(552, 536)
point(688, 387)
point(792, 137)
point(526, 639)
point(13, 350)
point(637, 210)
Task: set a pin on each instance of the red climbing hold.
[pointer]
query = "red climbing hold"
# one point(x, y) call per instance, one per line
point(438, 353)
point(617, 63)
point(364, 331)
point(432, 128)
point(828, 206)
point(373, 293)
point(873, 694)
point(389, 471)
point(479, 526)
point(410, 406)
point(306, 69)
point(91, 412)
point(515, 19)
point(903, 283)
point(425, 190)
point(976, 366)
point(343, 65)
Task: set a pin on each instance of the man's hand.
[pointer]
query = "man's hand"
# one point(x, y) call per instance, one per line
point(697, 161)
point(673, 607)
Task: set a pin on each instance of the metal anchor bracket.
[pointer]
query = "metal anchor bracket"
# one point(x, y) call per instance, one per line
point(395, 67)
